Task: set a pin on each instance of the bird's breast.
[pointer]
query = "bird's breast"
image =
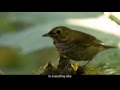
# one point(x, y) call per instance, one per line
point(77, 52)
point(63, 47)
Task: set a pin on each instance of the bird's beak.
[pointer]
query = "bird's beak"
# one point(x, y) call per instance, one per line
point(46, 35)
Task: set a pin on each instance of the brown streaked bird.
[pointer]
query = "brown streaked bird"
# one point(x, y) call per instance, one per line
point(76, 45)
point(49, 69)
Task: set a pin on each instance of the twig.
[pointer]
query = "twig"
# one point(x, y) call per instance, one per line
point(112, 17)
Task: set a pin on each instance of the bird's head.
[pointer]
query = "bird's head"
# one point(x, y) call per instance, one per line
point(59, 33)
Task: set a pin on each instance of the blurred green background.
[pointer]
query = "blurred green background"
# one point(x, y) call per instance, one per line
point(23, 50)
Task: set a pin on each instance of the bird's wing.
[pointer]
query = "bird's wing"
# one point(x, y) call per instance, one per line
point(81, 37)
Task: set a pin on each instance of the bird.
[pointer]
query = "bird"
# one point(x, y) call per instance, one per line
point(49, 69)
point(76, 45)
point(70, 69)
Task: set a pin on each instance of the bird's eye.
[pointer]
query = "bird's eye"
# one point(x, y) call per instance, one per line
point(59, 31)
